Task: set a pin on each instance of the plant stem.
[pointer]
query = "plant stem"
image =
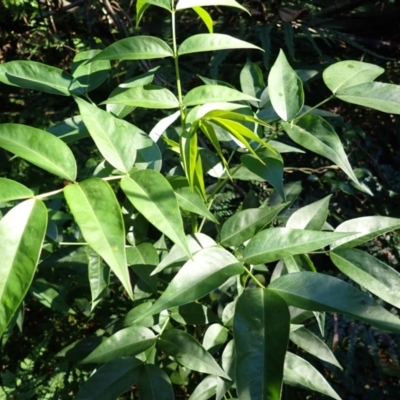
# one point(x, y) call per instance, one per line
point(313, 108)
point(177, 73)
point(114, 178)
point(254, 278)
point(48, 194)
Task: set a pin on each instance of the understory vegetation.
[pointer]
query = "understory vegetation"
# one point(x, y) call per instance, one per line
point(199, 199)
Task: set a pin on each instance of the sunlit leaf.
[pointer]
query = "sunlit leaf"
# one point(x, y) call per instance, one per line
point(285, 89)
point(36, 76)
point(205, 17)
point(275, 243)
point(12, 190)
point(96, 210)
point(40, 148)
point(344, 74)
point(182, 4)
point(22, 232)
point(154, 384)
point(192, 201)
point(135, 48)
point(320, 292)
point(153, 197)
point(212, 42)
point(317, 135)
point(370, 273)
point(365, 229)
point(299, 371)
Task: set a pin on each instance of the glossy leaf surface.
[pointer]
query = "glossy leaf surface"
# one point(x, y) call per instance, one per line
point(135, 48)
point(212, 42)
point(205, 17)
point(318, 292)
point(312, 216)
point(378, 95)
point(366, 227)
point(311, 343)
point(261, 338)
point(112, 135)
point(40, 148)
point(99, 276)
point(126, 342)
point(285, 89)
point(370, 273)
point(344, 74)
point(205, 389)
point(317, 135)
point(208, 269)
point(153, 197)
point(22, 232)
point(300, 371)
point(191, 201)
point(96, 210)
point(214, 93)
point(36, 76)
point(276, 243)
point(149, 96)
point(13, 190)
point(189, 352)
point(244, 224)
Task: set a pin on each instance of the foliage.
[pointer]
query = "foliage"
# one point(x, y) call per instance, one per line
point(214, 300)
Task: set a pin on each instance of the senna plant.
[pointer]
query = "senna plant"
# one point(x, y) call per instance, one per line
point(222, 304)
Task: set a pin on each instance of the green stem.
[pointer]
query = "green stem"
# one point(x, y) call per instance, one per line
point(71, 244)
point(313, 108)
point(114, 178)
point(177, 73)
point(48, 194)
point(254, 278)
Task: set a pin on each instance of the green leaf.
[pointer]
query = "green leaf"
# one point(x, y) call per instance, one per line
point(369, 272)
point(285, 89)
point(140, 80)
point(205, 17)
point(22, 232)
point(252, 81)
point(344, 74)
point(152, 195)
point(97, 213)
point(209, 269)
point(312, 216)
point(366, 227)
point(143, 259)
point(216, 335)
point(12, 190)
point(119, 110)
point(135, 48)
point(36, 76)
point(70, 130)
point(228, 364)
point(182, 4)
point(163, 124)
point(205, 389)
point(214, 93)
point(261, 338)
point(189, 352)
point(300, 371)
point(276, 243)
point(317, 135)
point(212, 42)
point(380, 96)
point(99, 277)
point(49, 296)
point(88, 76)
point(244, 224)
point(126, 342)
point(267, 165)
point(154, 383)
point(111, 380)
point(193, 314)
point(148, 154)
point(112, 135)
point(149, 96)
point(320, 292)
point(299, 262)
point(191, 201)
point(160, 3)
point(40, 148)
point(177, 256)
point(141, 7)
point(311, 343)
